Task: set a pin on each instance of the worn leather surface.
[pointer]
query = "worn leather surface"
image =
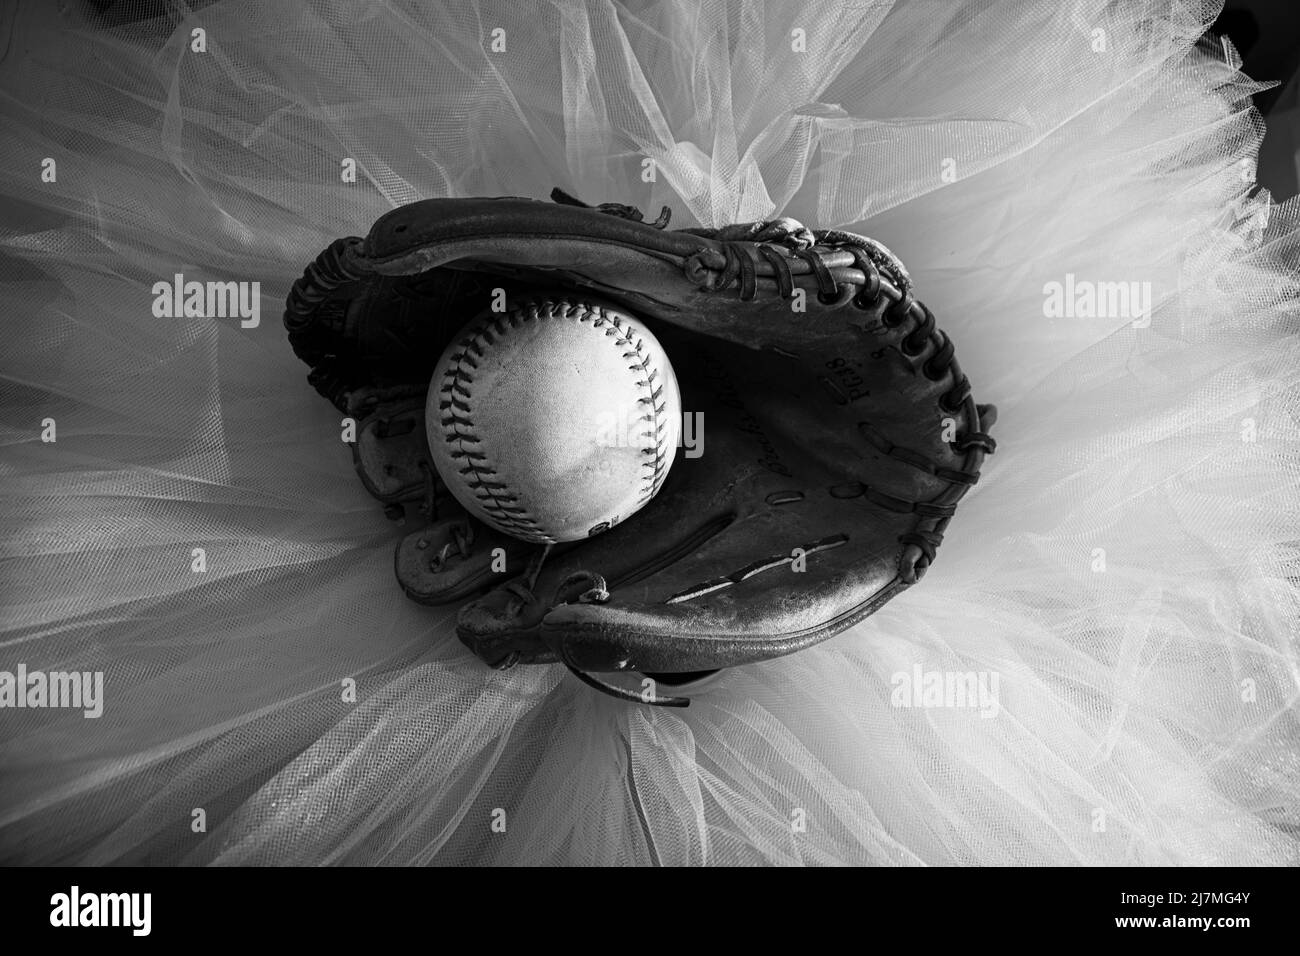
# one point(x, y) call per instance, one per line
point(825, 440)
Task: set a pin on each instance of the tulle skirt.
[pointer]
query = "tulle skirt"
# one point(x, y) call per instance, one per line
point(1072, 188)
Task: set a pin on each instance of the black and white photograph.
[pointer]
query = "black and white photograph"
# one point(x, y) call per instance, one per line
point(651, 433)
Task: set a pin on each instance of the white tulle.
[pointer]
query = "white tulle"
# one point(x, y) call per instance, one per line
point(1128, 565)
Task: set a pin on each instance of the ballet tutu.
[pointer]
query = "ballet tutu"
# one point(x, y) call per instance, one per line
point(1071, 186)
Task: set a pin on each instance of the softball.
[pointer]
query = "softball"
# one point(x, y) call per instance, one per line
point(556, 420)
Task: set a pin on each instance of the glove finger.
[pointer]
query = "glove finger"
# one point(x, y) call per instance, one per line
point(740, 290)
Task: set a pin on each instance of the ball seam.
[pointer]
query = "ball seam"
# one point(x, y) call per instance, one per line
point(458, 428)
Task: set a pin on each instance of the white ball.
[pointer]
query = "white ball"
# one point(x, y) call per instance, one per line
point(556, 420)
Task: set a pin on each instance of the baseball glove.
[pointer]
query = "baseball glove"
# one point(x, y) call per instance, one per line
point(839, 432)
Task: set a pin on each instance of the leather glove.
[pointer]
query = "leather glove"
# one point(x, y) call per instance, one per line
point(838, 431)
